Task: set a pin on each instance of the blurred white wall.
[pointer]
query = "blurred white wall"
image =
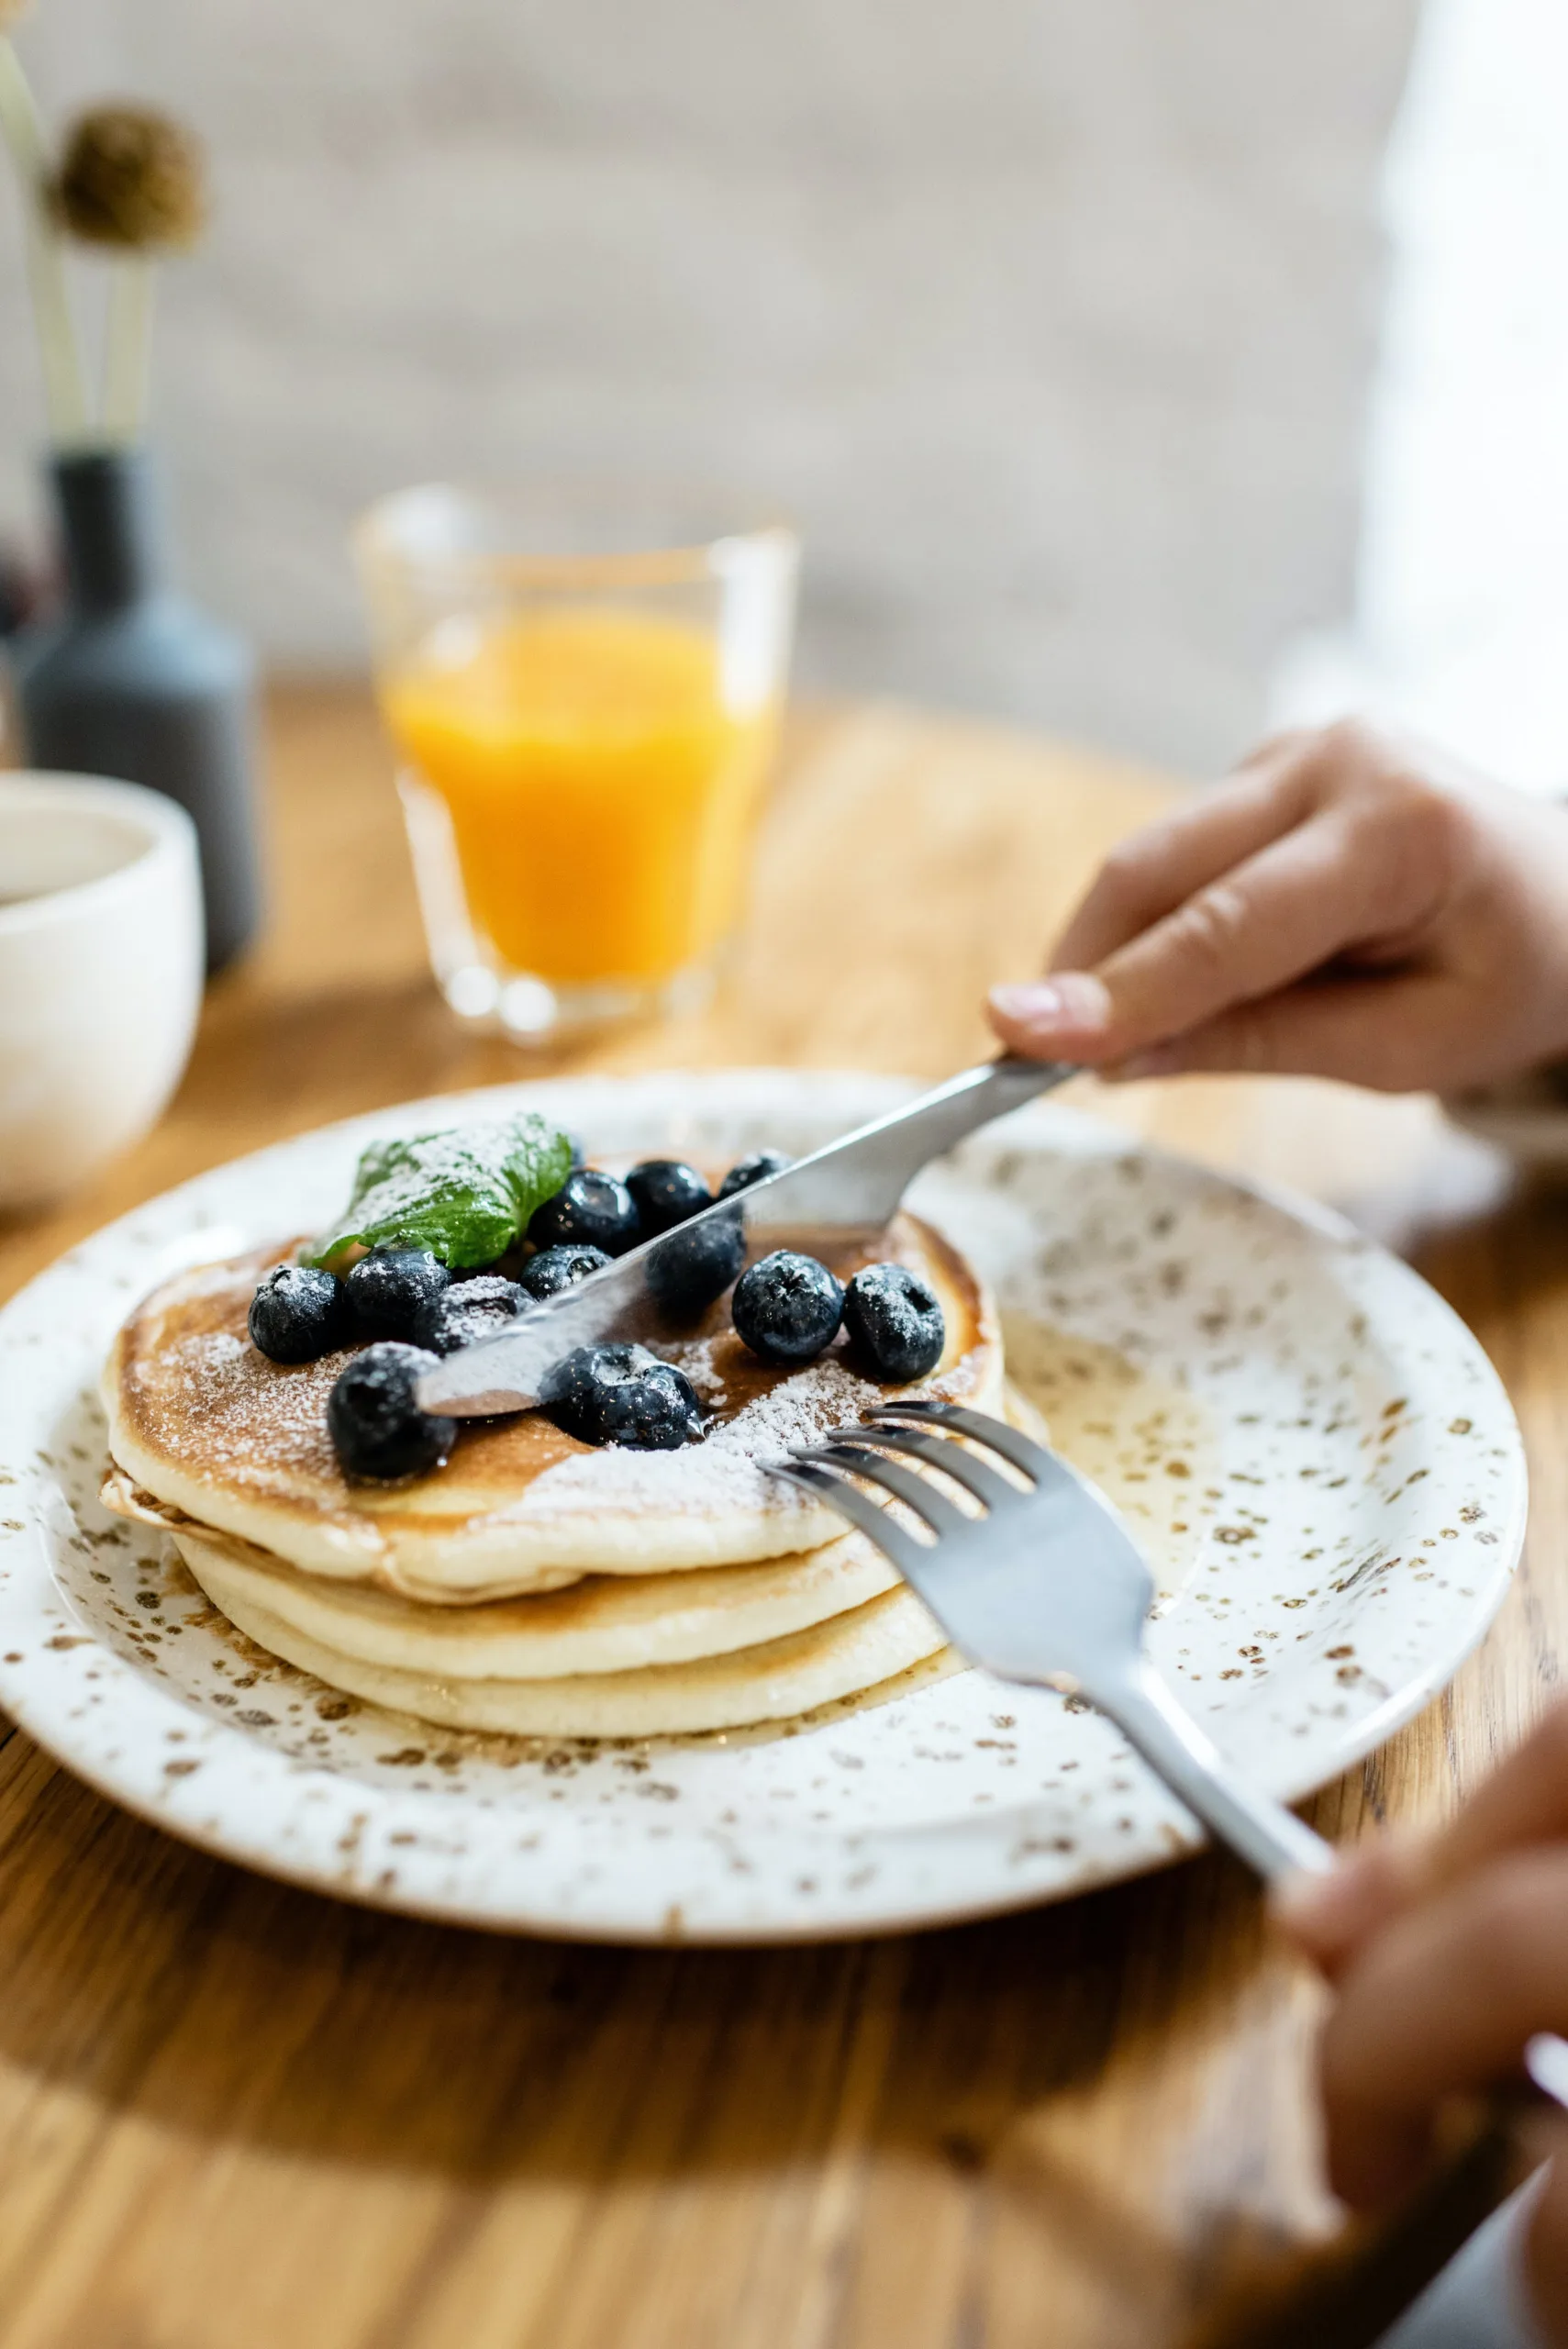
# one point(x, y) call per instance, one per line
point(1460, 614)
point(1051, 319)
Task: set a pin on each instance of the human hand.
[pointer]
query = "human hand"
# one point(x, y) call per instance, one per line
point(1346, 905)
point(1448, 1953)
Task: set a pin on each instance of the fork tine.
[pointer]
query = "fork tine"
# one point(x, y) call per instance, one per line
point(937, 1450)
point(869, 1516)
point(995, 1434)
point(917, 1492)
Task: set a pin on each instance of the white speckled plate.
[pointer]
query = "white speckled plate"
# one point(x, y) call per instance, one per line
point(1366, 1506)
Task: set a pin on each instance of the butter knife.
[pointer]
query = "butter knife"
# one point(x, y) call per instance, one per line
point(851, 1184)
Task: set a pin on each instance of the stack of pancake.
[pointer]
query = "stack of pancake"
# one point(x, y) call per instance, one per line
point(534, 1585)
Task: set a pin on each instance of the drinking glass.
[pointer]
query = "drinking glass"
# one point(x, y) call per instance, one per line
point(585, 695)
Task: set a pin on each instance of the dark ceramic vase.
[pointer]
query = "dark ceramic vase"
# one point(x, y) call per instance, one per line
point(134, 682)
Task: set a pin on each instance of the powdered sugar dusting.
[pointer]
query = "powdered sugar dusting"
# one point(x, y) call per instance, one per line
point(699, 1361)
point(200, 1393)
point(251, 1413)
point(723, 1472)
point(197, 1395)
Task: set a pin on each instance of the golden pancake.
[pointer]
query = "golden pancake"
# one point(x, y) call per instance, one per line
point(202, 1421)
point(846, 1656)
point(601, 1623)
point(719, 1647)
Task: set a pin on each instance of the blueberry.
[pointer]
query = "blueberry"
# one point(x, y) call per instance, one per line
point(387, 1287)
point(787, 1306)
point(689, 1269)
point(894, 1323)
point(377, 1428)
point(622, 1395)
point(467, 1311)
point(297, 1314)
point(748, 1171)
point(554, 1269)
point(590, 1211)
point(666, 1191)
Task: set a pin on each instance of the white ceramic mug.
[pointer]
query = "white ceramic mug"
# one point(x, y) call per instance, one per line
point(101, 963)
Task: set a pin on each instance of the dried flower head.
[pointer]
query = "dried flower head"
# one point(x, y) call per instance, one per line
point(132, 178)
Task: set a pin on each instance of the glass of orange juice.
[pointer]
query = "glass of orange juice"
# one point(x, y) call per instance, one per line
point(584, 696)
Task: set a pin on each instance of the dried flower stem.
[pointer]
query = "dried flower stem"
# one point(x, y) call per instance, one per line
point(126, 348)
point(65, 391)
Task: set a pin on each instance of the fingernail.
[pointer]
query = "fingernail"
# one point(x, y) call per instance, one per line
point(1071, 1003)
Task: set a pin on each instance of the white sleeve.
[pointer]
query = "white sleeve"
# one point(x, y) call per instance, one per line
point(1478, 2302)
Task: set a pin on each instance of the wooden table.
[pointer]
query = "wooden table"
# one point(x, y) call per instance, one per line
point(236, 2116)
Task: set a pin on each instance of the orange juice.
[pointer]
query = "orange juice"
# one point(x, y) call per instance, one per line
point(602, 796)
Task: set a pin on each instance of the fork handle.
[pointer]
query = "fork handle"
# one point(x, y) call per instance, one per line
point(1271, 1840)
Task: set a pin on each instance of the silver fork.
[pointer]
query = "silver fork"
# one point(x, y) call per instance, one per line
point(1045, 1585)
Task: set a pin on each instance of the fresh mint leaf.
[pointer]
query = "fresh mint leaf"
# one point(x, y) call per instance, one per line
point(465, 1195)
point(539, 1160)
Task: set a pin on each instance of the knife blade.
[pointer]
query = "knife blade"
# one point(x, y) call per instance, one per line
point(849, 1185)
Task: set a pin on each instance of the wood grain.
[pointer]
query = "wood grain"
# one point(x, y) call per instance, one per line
point(234, 2115)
